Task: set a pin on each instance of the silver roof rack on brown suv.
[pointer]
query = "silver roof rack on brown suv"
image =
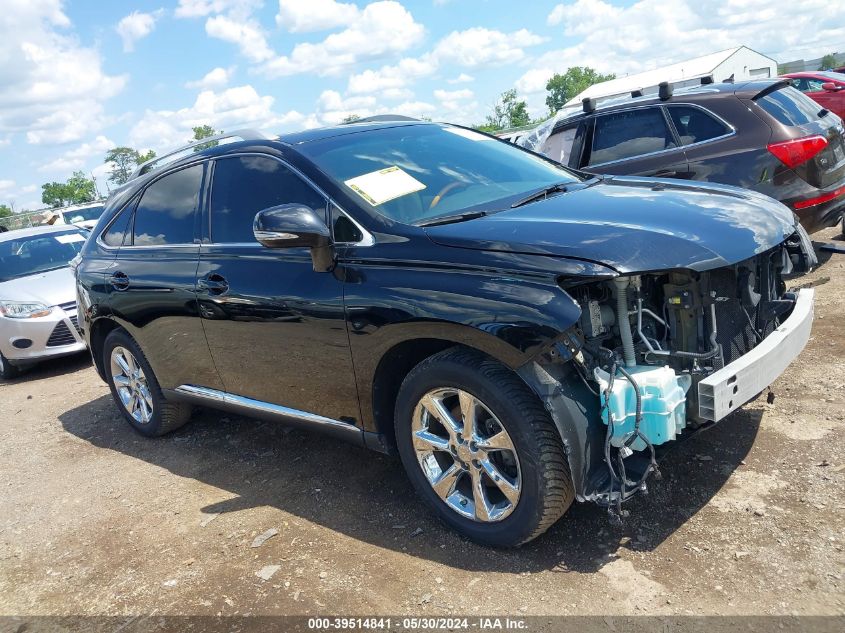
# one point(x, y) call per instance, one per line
point(244, 135)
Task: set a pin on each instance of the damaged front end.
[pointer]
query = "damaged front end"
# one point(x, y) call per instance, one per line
point(659, 354)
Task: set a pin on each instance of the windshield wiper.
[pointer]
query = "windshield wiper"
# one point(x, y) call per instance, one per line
point(451, 219)
point(559, 187)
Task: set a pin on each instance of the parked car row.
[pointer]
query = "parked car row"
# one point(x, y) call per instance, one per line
point(761, 135)
point(522, 333)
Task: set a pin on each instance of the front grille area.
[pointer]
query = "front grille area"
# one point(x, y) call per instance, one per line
point(70, 306)
point(61, 336)
point(735, 332)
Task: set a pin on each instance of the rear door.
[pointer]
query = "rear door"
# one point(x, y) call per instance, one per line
point(637, 142)
point(711, 147)
point(152, 280)
point(275, 327)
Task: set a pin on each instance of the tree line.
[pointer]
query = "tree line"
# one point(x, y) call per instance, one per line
point(511, 112)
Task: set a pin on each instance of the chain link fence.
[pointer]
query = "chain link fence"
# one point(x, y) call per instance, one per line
point(24, 220)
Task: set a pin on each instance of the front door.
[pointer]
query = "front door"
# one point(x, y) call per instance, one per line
point(276, 328)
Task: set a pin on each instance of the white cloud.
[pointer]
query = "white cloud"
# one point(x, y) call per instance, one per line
point(461, 79)
point(136, 26)
point(78, 157)
point(202, 8)
point(215, 78)
point(246, 33)
point(231, 109)
point(453, 95)
point(483, 47)
point(51, 86)
point(391, 77)
point(6, 184)
point(631, 39)
point(382, 29)
point(303, 16)
point(29, 188)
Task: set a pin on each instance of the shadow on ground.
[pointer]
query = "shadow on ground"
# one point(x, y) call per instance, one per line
point(367, 496)
point(51, 368)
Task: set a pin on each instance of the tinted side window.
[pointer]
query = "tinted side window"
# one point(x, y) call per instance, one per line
point(344, 229)
point(790, 107)
point(113, 236)
point(165, 214)
point(632, 133)
point(245, 185)
point(695, 125)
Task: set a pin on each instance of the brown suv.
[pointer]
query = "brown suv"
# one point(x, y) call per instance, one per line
point(761, 135)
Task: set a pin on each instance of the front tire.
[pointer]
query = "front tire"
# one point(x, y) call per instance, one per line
point(135, 388)
point(7, 370)
point(480, 448)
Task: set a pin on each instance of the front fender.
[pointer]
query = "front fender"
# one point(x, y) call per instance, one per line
point(510, 318)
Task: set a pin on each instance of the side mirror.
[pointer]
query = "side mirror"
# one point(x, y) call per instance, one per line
point(830, 86)
point(295, 226)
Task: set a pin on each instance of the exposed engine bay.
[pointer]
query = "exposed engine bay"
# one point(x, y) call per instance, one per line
point(650, 339)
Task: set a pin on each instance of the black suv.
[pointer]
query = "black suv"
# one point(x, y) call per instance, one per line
point(761, 135)
point(522, 335)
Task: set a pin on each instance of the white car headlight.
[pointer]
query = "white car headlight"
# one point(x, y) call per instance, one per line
point(23, 309)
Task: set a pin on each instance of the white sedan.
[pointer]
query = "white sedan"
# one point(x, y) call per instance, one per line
point(38, 296)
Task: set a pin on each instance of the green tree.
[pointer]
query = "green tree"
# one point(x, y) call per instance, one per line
point(125, 160)
point(508, 111)
point(76, 190)
point(204, 131)
point(350, 118)
point(574, 81)
point(828, 62)
point(5, 211)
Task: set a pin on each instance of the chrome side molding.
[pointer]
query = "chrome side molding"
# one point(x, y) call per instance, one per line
point(269, 411)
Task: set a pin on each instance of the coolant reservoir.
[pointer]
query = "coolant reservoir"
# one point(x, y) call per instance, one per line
point(664, 404)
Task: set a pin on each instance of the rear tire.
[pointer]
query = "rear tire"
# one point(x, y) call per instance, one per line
point(135, 388)
point(511, 440)
point(7, 370)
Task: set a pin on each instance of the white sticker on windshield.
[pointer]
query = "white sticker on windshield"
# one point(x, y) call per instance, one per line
point(380, 186)
point(470, 134)
point(69, 238)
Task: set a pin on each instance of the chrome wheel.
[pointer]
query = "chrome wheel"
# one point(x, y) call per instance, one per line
point(466, 454)
point(131, 385)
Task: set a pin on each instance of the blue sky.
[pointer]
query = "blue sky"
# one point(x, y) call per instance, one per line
point(80, 76)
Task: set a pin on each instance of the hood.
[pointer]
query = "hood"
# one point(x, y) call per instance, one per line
point(633, 225)
point(51, 288)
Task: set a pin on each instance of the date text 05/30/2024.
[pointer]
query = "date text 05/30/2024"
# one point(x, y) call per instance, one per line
point(416, 624)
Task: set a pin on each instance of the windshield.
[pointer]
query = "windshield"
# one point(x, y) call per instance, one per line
point(33, 254)
point(81, 215)
point(417, 172)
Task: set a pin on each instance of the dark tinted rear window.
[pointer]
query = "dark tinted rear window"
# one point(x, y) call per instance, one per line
point(790, 107)
point(113, 236)
point(694, 125)
point(630, 133)
point(165, 214)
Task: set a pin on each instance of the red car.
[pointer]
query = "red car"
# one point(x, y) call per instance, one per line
point(824, 87)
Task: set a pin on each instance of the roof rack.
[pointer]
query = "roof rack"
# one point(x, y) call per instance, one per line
point(244, 135)
point(382, 117)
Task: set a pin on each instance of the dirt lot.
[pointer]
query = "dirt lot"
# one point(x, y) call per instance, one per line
point(95, 519)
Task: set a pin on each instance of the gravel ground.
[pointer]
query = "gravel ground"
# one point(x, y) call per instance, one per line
point(96, 520)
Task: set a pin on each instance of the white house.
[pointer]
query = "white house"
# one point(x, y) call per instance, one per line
point(740, 63)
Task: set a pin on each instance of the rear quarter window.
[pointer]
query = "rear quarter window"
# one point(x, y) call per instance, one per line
point(789, 107)
point(695, 125)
